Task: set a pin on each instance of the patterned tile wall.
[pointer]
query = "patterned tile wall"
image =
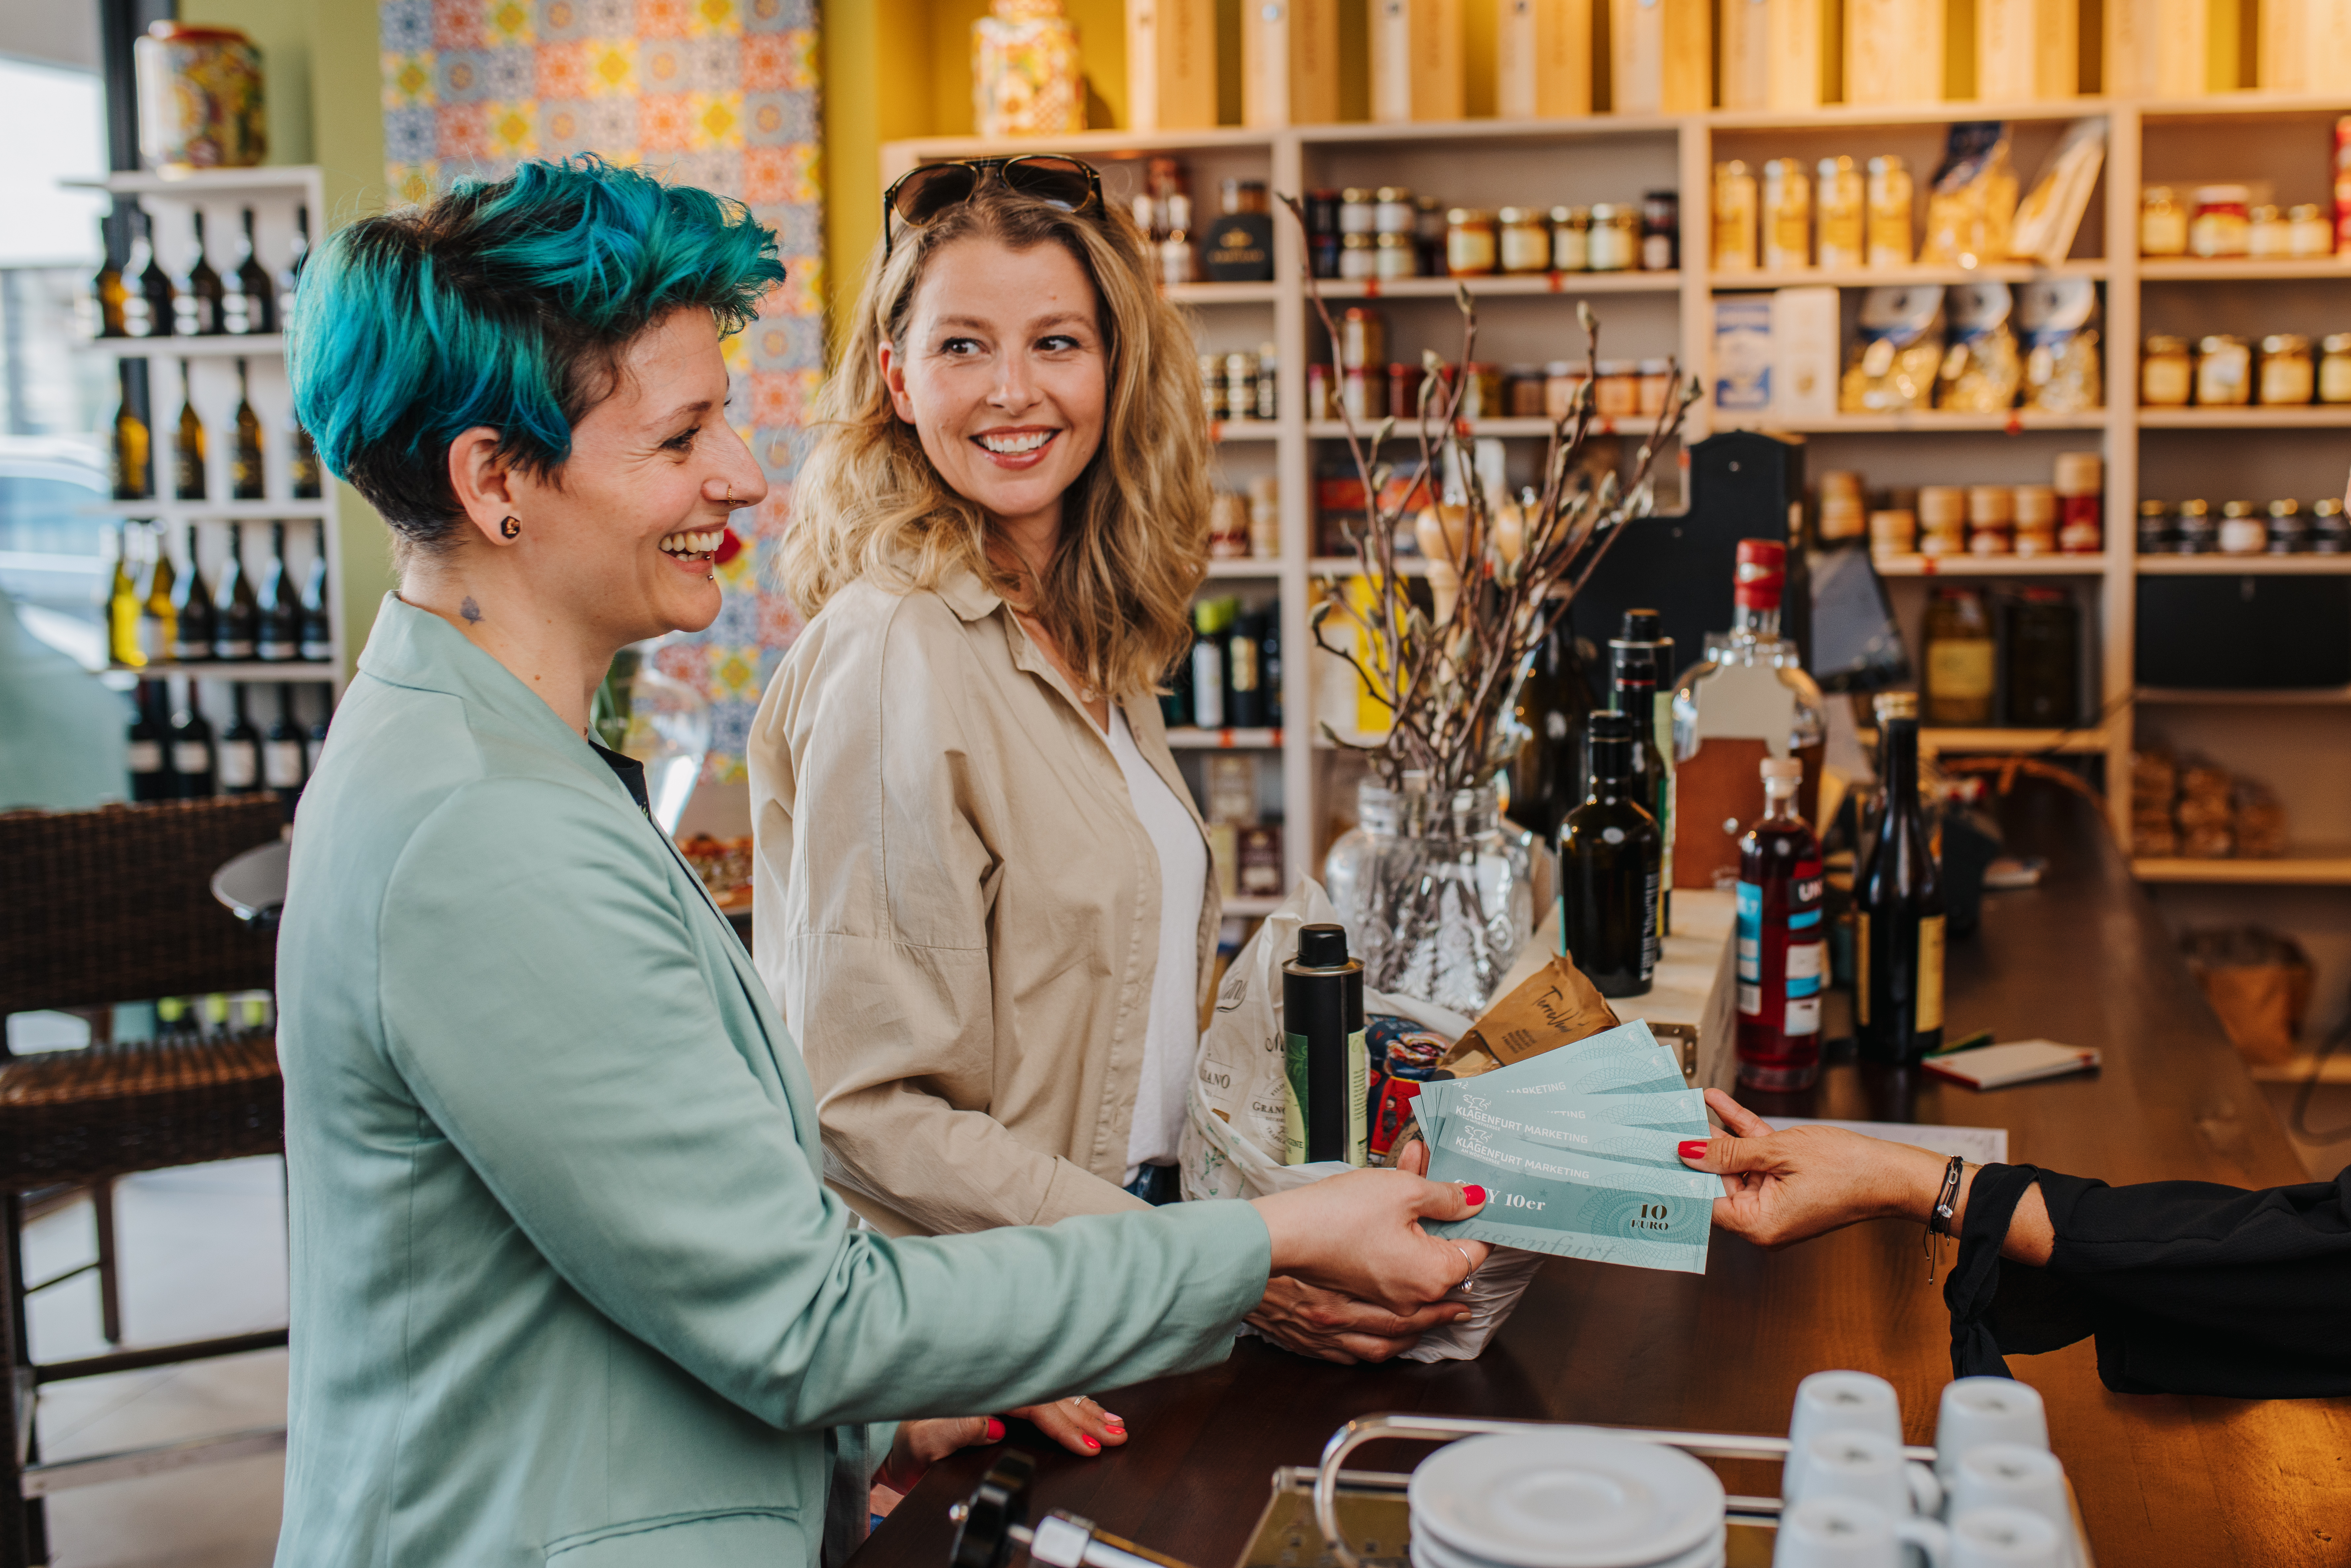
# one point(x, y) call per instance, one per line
point(716, 93)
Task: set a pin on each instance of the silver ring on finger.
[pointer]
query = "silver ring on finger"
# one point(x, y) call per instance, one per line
point(1466, 1259)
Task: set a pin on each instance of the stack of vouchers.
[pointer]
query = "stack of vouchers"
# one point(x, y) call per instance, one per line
point(1575, 1150)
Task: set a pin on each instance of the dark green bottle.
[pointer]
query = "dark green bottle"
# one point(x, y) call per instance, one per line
point(1609, 855)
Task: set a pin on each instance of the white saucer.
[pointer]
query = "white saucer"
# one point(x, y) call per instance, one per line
point(1427, 1552)
point(1569, 1498)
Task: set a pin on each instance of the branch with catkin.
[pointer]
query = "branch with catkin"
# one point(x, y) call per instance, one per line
point(1501, 574)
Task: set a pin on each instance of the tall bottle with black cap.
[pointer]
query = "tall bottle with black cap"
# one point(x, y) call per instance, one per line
point(1897, 898)
point(1608, 864)
point(1327, 1074)
point(1640, 658)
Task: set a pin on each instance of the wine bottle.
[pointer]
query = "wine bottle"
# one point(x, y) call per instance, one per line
point(319, 727)
point(236, 625)
point(239, 754)
point(250, 304)
point(199, 302)
point(1609, 852)
point(292, 275)
point(134, 451)
point(283, 763)
point(280, 637)
point(1637, 657)
point(155, 310)
point(1780, 957)
point(1326, 1076)
point(1898, 940)
point(1554, 702)
point(149, 779)
point(124, 606)
point(107, 293)
point(1212, 622)
point(195, 621)
point(302, 462)
point(188, 451)
point(192, 748)
point(159, 618)
point(318, 625)
point(245, 481)
point(1244, 674)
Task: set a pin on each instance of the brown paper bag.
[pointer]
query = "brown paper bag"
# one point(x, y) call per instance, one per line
point(1556, 1006)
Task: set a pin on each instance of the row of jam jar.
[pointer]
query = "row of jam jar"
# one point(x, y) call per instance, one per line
point(2218, 372)
point(1623, 389)
point(2243, 527)
point(1387, 233)
point(2065, 517)
point(2221, 223)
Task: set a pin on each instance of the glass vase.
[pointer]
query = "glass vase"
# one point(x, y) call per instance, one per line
point(1436, 892)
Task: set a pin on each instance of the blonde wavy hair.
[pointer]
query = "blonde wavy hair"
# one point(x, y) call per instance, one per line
point(1116, 596)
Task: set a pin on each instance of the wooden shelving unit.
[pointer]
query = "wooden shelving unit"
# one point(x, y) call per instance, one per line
point(1491, 163)
point(2307, 868)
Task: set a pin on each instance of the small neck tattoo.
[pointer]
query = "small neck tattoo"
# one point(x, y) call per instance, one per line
point(471, 611)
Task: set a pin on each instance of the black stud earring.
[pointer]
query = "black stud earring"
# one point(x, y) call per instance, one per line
point(510, 529)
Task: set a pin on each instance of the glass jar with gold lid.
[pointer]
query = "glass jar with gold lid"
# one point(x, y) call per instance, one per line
point(2287, 378)
point(1470, 245)
point(2335, 368)
point(2224, 371)
point(1616, 241)
point(1524, 235)
point(2162, 223)
point(2166, 373)
point(1571, 239)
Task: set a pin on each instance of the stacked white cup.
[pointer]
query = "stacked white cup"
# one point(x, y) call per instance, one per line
point(1852, 1501)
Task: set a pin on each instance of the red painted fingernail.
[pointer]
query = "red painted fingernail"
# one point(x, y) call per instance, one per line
point(1475, 1195)
point(995, 1430)
point(1691, 1148)
point(1092, 1447)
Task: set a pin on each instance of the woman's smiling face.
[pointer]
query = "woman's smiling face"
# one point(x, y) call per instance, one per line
point(1004, 375)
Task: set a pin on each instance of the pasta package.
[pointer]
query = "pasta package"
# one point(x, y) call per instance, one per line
point(1898, 353)
point(1981, 370)
point(2052, 214)
point(2061, 348)
point(1971, 206)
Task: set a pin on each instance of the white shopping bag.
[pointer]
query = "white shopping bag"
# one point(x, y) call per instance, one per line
point(1232, 1129)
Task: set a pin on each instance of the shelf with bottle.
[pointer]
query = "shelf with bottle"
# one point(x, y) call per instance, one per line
point(1990, 565)
point(2251, 416)
point(1348, 566)
point(295, 670)
point(1259, 568)
point(212, 511)
point(2182, 696)
point(161, 612)
point(1921, 421)
point(1244, 430)
point(1498, 285)
point(178, 752)
point(207, 185)
point(251, 345)
point(2243, 565)
point(1222, 293)
point(1956, 742)
point(1191, 739)
point(1520, 429)
point(2310, 866)
point(1723, 282)
point(2242, 269)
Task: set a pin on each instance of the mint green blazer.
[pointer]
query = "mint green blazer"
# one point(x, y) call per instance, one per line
point(568, 1287)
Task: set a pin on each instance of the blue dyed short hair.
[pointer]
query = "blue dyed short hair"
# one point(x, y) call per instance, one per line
point(508, 304)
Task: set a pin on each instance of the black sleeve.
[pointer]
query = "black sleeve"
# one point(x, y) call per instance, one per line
point(2190, 1286)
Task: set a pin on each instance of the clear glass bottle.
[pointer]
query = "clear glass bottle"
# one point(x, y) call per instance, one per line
point(1781, 950)
point(1610, 857)
point(1749, 687)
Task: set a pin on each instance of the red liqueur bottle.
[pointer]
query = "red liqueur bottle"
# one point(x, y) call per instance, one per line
point(1781, 954)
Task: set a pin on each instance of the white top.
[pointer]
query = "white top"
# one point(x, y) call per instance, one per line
point(1172, 1033)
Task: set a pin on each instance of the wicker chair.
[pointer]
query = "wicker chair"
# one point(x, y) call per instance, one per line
point(98, 908)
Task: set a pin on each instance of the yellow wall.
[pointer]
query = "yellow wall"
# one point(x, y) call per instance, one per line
point(321, 60)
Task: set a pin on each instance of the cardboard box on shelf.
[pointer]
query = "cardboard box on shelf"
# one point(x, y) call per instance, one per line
point(1419, 67)
point(1543, 59)
point(2027, 51)
point(1773, 54)
point(1660, 56)
point(1290, 63)
point(1171, 64)
point(1894, 51)
point(1804, 353)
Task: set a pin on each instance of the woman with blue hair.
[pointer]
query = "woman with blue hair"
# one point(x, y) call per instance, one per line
point(566, 1284)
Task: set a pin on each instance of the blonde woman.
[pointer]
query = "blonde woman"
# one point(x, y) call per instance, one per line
point(983, 896)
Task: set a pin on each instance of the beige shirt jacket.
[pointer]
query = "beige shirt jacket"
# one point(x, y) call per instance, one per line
point(957, 910)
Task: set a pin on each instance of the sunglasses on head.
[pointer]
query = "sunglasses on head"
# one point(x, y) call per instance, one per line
point(919, 195)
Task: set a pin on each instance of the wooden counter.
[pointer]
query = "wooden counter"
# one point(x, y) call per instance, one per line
point(2199, 1482)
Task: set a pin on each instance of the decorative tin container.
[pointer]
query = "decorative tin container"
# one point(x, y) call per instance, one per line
point(1025, 72)
point(200, 104)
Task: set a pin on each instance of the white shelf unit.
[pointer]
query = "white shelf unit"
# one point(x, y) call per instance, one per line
point(1491, 163)
point(273, 194)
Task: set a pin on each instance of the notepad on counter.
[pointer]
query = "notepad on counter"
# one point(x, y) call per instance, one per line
point(1999, 1066)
